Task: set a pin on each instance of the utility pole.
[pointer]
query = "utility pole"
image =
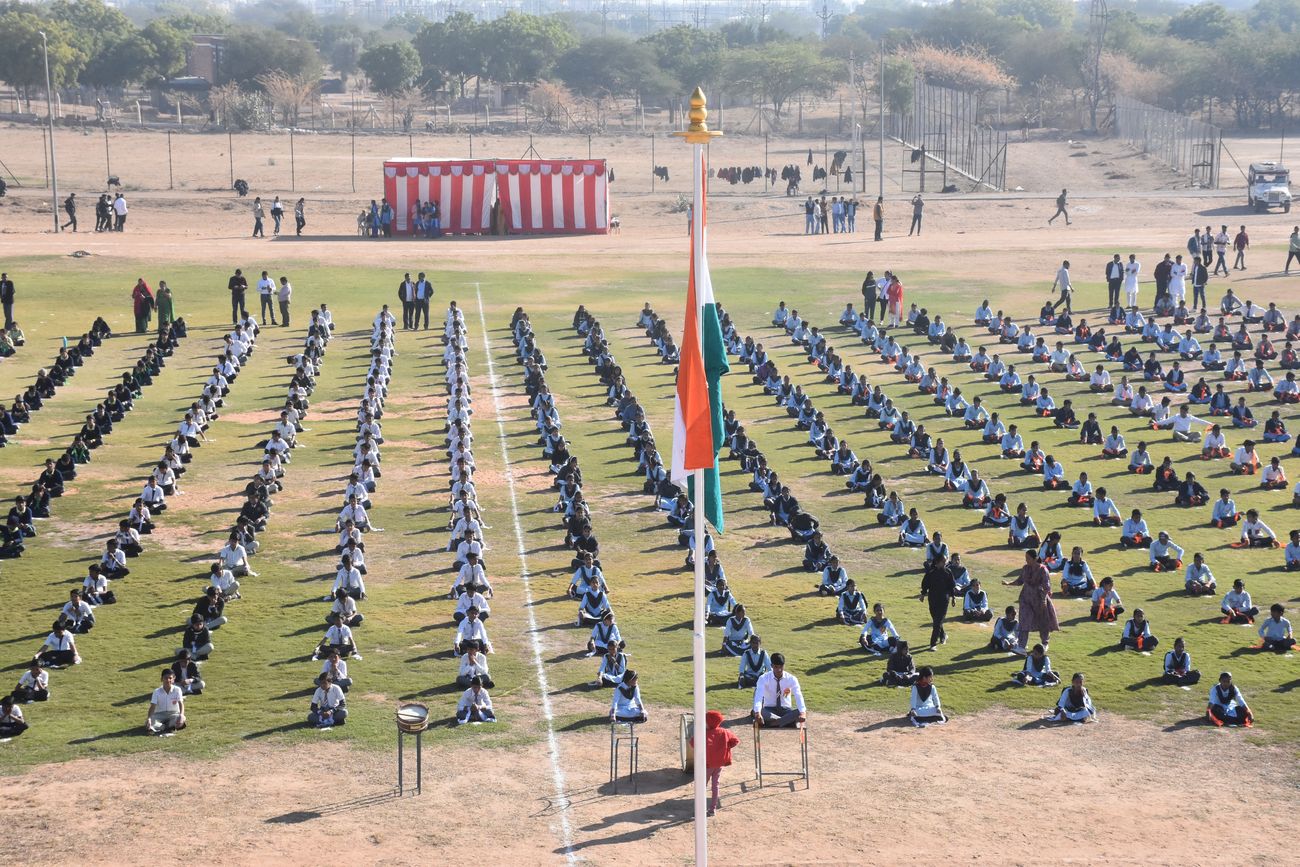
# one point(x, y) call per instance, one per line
point(881, 158)
point(825, 16)
point(49, 107)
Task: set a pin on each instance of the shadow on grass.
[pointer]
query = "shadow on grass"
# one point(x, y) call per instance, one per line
point(287, 727)
point(135, 731)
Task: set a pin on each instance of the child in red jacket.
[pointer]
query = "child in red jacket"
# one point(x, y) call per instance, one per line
point(718, 745)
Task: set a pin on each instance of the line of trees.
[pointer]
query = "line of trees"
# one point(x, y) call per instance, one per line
point(1232, 66)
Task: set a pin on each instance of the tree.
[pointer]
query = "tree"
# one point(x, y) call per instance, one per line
point(1282, 14)
point(22, 63)
point(693, 57)
point(521, 48)
point(779, 71)
point(1208, 23)
point(167, 46)
point(115, 52)
point(345, 56)
point(251, 52)
point(392, 67)
point(452, 47)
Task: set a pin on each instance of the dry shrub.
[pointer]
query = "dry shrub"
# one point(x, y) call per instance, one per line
point(964, 68)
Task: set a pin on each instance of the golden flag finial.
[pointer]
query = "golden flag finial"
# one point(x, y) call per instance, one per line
point(698, 131)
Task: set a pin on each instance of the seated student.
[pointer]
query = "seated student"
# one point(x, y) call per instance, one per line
point(993, 430)
point(1236, 605)
point(328, 705)
point(1037, 670)
point(851, 610)
point(1124, 394)
point(983, 314)
point(593, 605)
point(1235, 369)
point(1106, 604)
point(185, 672)
point(344, 609)
point(1021, 532)
point(1275, 630)
point(1292, 553)
point(1199, 580)
point(1141, 405)
point(1215, 446)
point(1099, 382)
point(1224, 514)
point(975, 494)
point(1053, 474)
point(77, 614)
point(166, 707)
point(736, 632)
point(912, 532)
point(1255, 533)
point(975, 604)
point(925, 707)
point(1081, 492)
point(1011, 444)
point(1227, 706)
point(1176, 379)
point(1178, 666)
point(12, 723)
point(34, 685)
point(1258, 379)
point(1010, 380)
point(337, 669)
point(1273, 477)
point(475, 705)
point(1137, 633)
point(1062, 416)
point(754, 663)
point(1076, 575)
point(1288, 390)
point(1104, 511)
point(1275, 429)
point(1289, 359)
point(605, 633)
point(59, 649)
point(1165, 555)
point(1005, 630)
point(834, 578)
point(1166, 477)
point(892, 513)
point(997, 514)
point(1074, 705)
point(1191, 492)
point(1200, 393)
point(197, 638)
point(1134, 533)
point(1140, 461)
point(1090, 432)
point(1132, 360)
point(718, 603)
point(1245, 461)
point(233, 557)
point(626, 706)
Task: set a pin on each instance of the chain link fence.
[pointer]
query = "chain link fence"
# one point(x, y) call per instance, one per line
point(1188, 146)
point(945, 141)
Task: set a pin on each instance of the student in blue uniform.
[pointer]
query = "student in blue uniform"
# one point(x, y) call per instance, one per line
point(1037, 670)
point(899, 668)
point(1227, 706)
point(1004, 631)
point(1178, 666)
point(925, 707)
point(1075, 705)
point(736, 632)
point(878, 633)
point(754, 662)
point(851, 610)
point(975, 604)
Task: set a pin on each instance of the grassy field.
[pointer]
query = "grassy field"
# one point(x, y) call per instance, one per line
point(259, 677)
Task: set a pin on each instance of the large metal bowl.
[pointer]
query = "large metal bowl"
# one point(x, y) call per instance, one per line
point(412, 717)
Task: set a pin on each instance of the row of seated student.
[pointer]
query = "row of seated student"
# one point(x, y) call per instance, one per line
point(19, 523)
point(588, 585)
point(231, 563)
point(1198, 578)
point(48, 380)
point(338, 645)
point(78, 614)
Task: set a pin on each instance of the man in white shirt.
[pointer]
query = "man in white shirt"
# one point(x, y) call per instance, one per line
point(471, 633)
point(77, 614)
point(328, 705)
point(1131, 271)
point(266, 292)
point(234, 558)
point(778, 701)
point(1062, 282)
point(224, 581)
point(166, 707)
point(473, 664)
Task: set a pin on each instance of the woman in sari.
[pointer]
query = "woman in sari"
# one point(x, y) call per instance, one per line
point(166, 308)
point(1036, 609)
point(142, 302)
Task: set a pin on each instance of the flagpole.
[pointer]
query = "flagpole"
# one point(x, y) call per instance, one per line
point(698, 135)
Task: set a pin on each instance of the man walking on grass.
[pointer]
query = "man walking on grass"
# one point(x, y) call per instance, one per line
point(1293, 251)
point(1062, 282)
point(1240, 243)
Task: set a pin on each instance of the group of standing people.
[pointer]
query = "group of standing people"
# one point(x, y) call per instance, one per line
point(885, 292)
point(840, 214)
point(277, 215)
point(144, 302)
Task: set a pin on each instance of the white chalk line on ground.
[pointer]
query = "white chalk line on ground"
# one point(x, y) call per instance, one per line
point(543, 686)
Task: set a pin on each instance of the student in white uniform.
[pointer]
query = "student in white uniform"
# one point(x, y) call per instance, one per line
point(1236, 605)
point(328, 705)
point(925, 707)
point(613, 665)
point(1275, 630)
point(475, 705)
point(1074, 705)
point(337, 669)
point(34, 685)
point(471, 629)
point(166, 707)
point(59, 649)
point(12, 723)
point(234, 558)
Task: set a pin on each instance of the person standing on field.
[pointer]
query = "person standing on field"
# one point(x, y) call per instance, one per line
point(300, 215)
point(1131, 272)
point(166, 305)
point(1293, 251)
point(259, 214)
point(70, 208)
point(277, 214)
point(1221, 251)
point(7, 300)
point(238, 285)
point(1240, 243)
point(1062, 282)
point(266, 294)
point(918, 205)
point(1114, 280)
point(283, 295)
point(142, 303)
point(717, 750)
point(103, 214)
point(878, 216)
point(1061, 203)
point(119, 213)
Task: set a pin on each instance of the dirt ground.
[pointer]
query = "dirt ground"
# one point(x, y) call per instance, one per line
point(1000, 787)
point(1115, 793)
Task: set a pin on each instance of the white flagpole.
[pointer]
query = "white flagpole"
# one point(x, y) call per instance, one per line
point(701, 751)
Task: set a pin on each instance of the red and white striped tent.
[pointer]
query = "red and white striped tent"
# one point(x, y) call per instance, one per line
point(554, 197)
point(465, 191)
point(538, 197)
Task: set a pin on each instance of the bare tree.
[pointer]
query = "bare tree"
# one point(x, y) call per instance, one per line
point(288, 93)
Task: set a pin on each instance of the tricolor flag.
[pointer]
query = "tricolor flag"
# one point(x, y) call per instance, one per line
point(697, 421)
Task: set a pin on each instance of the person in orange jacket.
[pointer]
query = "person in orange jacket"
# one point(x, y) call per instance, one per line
point(718, 745)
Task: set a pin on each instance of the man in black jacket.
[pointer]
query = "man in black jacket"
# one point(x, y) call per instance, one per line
point(869, 290)
point(238, 285)
point(7, 299)
point(70, 208)
point(1114, 280)
point(406, 294)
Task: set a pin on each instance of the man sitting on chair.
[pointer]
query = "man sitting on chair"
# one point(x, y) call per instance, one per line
point(778, 701)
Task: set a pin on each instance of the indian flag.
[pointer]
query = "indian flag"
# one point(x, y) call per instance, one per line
point(697, 420)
